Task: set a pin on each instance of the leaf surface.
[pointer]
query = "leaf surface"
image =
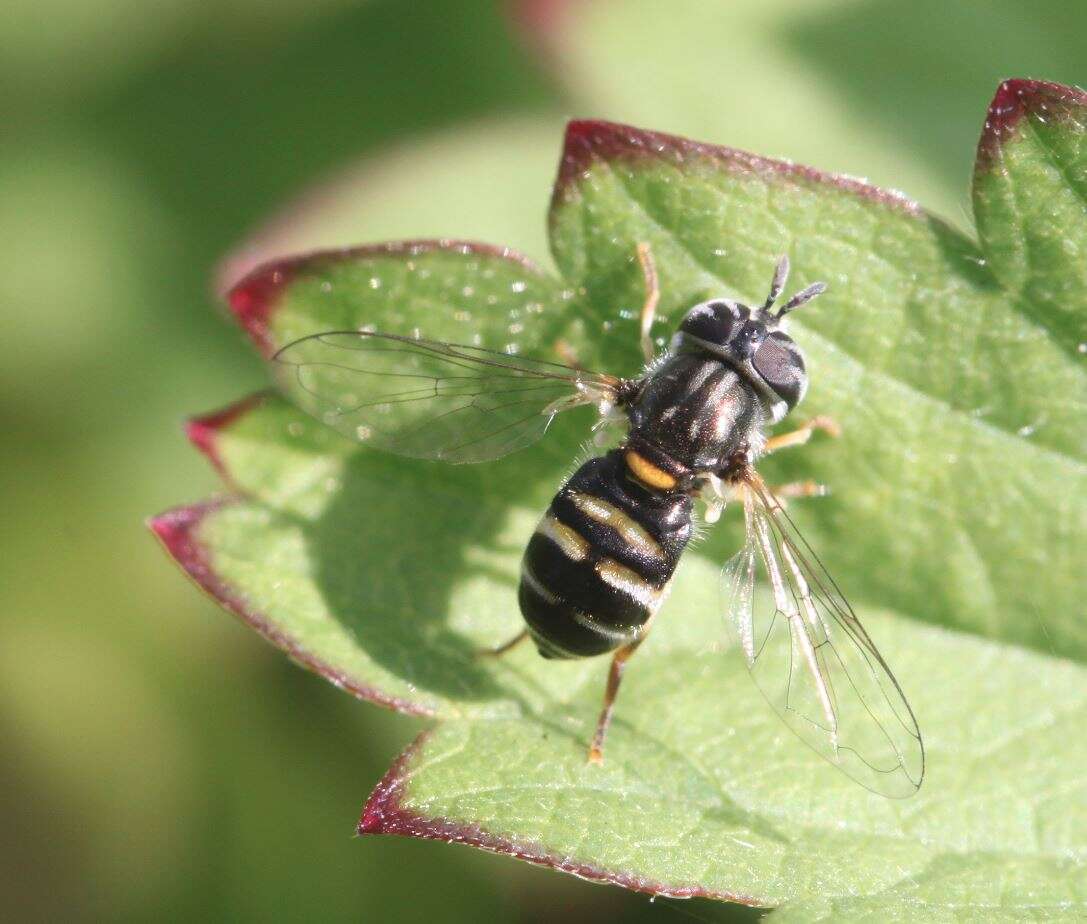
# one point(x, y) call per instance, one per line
point(1030, 200)
point(717, 800)
point(963, 456)
point(959, 493)
point(723, 804)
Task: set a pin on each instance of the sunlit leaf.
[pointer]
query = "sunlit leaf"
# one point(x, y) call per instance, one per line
point(959, 493)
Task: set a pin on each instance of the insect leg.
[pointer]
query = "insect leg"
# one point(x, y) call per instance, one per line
point(802, 434)
point(652, 296)
point(504, 647)
point(615, 676)
point(716, 493)
point(807, 488)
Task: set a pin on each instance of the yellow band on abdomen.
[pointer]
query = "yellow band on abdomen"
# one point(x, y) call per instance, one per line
point(647, 473)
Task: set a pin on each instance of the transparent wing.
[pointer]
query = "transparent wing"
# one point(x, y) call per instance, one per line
point(811, 657)
point(431, 400)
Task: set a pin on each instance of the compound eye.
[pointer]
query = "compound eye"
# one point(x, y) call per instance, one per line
point(711, 321)
point(780, 363)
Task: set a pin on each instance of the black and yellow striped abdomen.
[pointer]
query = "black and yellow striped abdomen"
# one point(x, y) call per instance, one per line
point(599, 563)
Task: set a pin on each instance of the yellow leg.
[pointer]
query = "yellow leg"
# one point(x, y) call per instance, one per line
point(716, 495)
point(802, 434)
point(504, 647)
point(807, 488)
point(652, 297)
point(615, 676)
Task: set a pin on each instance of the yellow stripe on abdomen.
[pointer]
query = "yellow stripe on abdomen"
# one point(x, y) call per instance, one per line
point(631, 583)
point(633, 534)
point(572, 544)
point(647, 473)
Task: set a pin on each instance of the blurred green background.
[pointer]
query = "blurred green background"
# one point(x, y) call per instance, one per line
point(159, 761)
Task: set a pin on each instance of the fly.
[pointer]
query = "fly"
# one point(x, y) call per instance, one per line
point(598, 567)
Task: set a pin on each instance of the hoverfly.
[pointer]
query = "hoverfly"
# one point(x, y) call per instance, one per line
point(598, 566)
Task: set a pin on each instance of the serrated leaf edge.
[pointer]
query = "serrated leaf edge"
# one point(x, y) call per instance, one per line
point(589, 140)
point(1014, 99)
point(203, 430)
point(253, 299)
point(385, 813)
point(178, 532)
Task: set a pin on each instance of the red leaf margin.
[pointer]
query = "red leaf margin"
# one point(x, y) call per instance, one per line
point(1018, 97)
point(178, 531)
point(589, 141)
point(204, 429)
point(254, 297)
point(384, 813)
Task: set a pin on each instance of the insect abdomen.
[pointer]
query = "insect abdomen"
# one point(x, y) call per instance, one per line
point(599, 563)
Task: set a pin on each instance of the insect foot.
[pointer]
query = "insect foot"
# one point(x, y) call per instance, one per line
point(802, 434)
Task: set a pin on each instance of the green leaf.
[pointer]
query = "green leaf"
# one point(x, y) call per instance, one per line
point(994, 890)
point(447, 290)
point(720, 800)
point(384, 575)
point(704, 794)
point(958, 499)
point(1030, 199)
point(964, 447)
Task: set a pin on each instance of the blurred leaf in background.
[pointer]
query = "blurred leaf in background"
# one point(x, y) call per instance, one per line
point(158, 761)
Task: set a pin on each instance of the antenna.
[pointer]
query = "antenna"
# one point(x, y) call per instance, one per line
point(802, 297)
point(781, 274)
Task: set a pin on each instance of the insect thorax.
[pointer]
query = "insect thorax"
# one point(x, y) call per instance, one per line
point(698, 411)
